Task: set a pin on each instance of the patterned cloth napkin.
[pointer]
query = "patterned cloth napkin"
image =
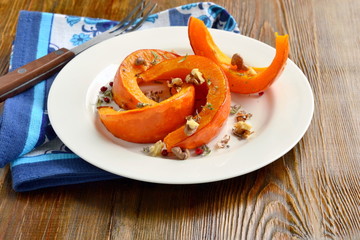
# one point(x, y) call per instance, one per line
point(37, 158)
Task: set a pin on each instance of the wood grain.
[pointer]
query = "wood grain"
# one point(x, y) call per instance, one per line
point(312, 192)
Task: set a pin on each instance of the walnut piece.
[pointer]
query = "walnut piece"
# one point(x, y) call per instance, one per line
point(243, 116)
point(180, 153)
point(242, 129)
point(238, 61)
point(175, 83)
point(195, 77)
point(223, 142)
point(140, 61)
point(190, 126)
point(155, 150)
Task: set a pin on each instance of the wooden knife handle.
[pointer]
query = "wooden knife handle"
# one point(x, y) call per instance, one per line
point(30, 74)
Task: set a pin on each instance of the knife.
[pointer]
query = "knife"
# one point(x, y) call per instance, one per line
point(30, 74)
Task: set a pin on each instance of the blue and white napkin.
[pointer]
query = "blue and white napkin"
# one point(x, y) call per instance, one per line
point(37, 158)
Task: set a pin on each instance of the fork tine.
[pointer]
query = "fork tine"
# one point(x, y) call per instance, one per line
point(126, 19)
point(143, 19)
point(119, 28)
point(129, 26)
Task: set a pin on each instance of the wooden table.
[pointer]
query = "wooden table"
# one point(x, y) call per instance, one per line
point(310, 193)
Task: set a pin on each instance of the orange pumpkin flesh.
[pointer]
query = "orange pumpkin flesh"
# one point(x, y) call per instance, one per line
point(203, 44)
point(126, 91)
point(217, 108)
point(165, 120)
point(151, 123)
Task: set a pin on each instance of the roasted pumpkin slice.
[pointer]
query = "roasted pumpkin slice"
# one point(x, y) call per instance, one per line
point(126, 91)
point(150, 123)
point(217, 105)
point(242, 79)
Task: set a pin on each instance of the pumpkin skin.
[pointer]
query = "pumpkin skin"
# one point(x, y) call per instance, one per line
point(240, 81)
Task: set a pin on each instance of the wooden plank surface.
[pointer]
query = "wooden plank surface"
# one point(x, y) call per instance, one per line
point(310, 193)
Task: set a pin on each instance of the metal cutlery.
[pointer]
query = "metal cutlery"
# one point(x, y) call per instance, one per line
point(30, 74)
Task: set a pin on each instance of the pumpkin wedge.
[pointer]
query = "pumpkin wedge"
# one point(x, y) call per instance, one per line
point(242, 81)
point(150, 123)
point(126, 91)
point(216, 110)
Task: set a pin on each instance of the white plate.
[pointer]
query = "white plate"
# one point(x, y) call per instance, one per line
point(280, 117)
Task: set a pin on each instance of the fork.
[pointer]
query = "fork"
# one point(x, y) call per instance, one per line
point(30, 74)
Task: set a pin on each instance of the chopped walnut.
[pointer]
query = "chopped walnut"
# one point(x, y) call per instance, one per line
point(242, 129)
point(243, 116)
point(140, 61)
point(190, 126)
point(180, 153)
point(195, 77)
point(155, 150)
point(238, 61)
point(175, 83)
point(223, 142)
